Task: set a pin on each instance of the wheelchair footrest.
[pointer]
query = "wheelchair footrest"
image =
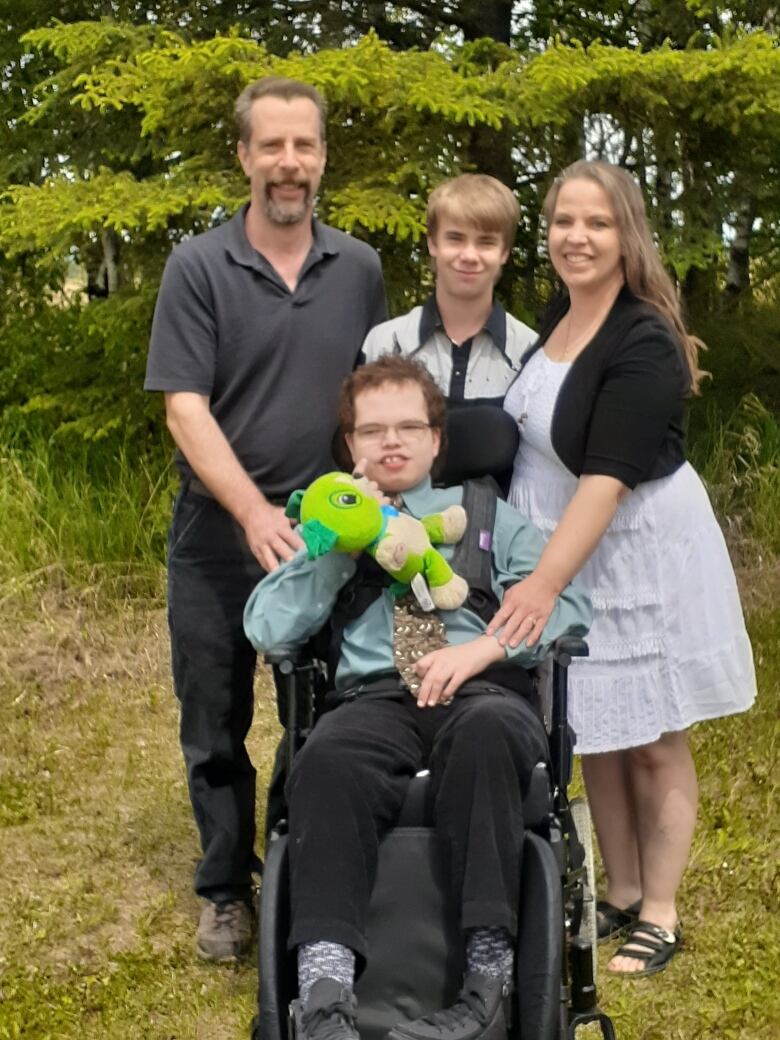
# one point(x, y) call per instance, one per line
point(583, 1019)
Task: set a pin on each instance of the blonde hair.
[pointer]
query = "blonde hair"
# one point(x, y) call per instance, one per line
point(477, 199)
point(644, 273)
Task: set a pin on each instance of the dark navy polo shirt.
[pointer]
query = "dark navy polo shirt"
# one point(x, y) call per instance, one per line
point(271, 361)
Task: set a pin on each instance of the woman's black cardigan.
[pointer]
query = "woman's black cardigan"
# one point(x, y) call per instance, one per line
point(620, 411)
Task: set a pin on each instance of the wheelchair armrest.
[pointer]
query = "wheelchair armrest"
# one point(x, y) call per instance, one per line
point(288, 657)
point(298, 682)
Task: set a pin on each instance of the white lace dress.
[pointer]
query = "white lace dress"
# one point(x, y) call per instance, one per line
point(668, 645)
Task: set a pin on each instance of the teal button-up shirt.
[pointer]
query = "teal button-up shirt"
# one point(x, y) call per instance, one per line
point(293, 603)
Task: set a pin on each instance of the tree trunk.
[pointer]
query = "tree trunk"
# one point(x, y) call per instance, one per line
point(110, 242)
point(699, 286)
point(479, 18)
point(663, 195)
point(738, 274)
point(102, 263)
point(529, 269)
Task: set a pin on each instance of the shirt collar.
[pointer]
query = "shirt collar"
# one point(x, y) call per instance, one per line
point(495, 326)
point(430, 320)
point(417, 499)
point(325, 242)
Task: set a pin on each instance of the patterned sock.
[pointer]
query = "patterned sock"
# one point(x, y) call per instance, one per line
point(490, 951)
point(321, 960)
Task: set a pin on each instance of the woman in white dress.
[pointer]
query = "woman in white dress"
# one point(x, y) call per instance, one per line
point(601, 469)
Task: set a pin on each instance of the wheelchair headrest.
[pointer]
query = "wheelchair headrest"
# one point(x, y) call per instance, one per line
point(482, 441)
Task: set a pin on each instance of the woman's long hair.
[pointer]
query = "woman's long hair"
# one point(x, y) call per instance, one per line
point(644, 273)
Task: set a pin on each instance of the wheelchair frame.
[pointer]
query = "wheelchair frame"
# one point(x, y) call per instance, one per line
point(299, 688)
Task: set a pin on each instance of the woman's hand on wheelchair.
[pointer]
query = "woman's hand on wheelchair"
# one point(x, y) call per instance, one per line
point(524, 611)
point(444, 671)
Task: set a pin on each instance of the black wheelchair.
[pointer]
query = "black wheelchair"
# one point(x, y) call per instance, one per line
point(415, 965)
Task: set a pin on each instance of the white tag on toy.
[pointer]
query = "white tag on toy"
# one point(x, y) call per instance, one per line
point(421, 594)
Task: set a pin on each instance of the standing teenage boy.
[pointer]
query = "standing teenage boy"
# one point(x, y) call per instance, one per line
point(480, 748)
point(256, 324)
point(465, 338)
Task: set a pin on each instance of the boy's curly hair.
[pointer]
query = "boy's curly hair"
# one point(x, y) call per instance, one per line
point(391, 369)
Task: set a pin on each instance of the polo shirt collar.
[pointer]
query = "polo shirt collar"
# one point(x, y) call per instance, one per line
point(495, 325)
point(325, 242)
point(326, 239)
point(430, 320)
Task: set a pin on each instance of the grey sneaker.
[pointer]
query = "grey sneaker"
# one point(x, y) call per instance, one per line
point(328, 1014)
point(480, 1012)
point(225, 930)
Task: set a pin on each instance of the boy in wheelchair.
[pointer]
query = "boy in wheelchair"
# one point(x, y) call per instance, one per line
point(471, 720)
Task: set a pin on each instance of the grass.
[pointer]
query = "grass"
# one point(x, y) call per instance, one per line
point(739, 459)
point(98, 844)
point(83, 520)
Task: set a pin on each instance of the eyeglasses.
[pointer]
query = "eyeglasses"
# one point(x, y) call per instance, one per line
point(409, 432)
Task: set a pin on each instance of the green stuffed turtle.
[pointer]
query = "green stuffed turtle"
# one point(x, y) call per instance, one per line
point(338, 512)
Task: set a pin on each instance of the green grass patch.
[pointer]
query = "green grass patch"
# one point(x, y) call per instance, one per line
point(83, 520)
point(97, 934)
point(98, 842)
point(738, 458)
point(97, 835)
point(724, 983)
point(90, 517)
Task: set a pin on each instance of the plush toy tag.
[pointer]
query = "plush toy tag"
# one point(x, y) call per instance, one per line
point(421, 593)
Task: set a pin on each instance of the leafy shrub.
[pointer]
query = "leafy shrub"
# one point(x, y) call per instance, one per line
point(75, 373)
point(739, 458)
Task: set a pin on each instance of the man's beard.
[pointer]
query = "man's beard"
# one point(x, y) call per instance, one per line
point(288, 212)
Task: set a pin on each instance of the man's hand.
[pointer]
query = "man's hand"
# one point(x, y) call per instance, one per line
point(524, 611)
point(270, 535)
point(444, 671)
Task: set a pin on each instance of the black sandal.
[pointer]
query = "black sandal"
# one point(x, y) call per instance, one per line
point(611, 920)
point(655, 947)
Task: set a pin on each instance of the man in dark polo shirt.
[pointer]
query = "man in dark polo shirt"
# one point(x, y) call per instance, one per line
point(256, 324)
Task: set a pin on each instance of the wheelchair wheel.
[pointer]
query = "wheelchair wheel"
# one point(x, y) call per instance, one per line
point(580, 814)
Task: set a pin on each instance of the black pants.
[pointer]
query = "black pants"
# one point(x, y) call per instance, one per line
point(211, 573)
point(347, 785)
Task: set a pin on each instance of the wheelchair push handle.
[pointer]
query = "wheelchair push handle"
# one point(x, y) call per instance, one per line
point(561, 737)
point(567, 647)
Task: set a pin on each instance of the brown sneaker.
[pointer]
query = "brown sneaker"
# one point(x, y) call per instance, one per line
point(225, 931)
